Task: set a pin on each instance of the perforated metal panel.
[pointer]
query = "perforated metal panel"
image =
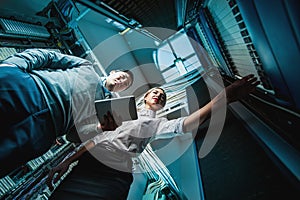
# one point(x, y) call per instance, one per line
point(20, 28)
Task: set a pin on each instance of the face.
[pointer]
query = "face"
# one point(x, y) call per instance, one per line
point(155, 99)
point(118, 81)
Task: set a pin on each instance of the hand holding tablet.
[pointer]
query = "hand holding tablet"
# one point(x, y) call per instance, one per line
point(119, 109)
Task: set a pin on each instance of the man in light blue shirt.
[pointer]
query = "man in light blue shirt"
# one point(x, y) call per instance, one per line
point(45, 94)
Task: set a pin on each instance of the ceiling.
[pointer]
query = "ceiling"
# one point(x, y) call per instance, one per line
point(149, 13)
point(166, 14)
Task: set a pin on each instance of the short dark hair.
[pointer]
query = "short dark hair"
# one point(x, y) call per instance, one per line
point(131, 76)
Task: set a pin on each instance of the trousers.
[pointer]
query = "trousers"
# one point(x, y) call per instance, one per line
point(26, 129)
point(91, 179)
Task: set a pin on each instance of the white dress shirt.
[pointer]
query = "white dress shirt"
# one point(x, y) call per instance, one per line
point(116, 148)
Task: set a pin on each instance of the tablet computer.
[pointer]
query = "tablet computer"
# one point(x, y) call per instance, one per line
point(121, 108)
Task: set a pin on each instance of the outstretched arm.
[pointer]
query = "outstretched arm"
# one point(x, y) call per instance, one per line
point(64, 165)
point(238, 89)
point(31, 59)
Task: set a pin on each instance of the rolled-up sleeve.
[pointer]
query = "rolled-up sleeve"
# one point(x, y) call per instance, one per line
point(97, 139)
point(104, 138)
point(170, 126)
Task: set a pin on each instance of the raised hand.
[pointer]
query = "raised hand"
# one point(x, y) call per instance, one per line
point(241, 88)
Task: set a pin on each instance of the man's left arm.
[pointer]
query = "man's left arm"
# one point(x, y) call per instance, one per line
point(35, 59)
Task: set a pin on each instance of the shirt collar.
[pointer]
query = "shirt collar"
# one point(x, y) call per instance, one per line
point(103, 80)
point(107, 93)
point(147, 113)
